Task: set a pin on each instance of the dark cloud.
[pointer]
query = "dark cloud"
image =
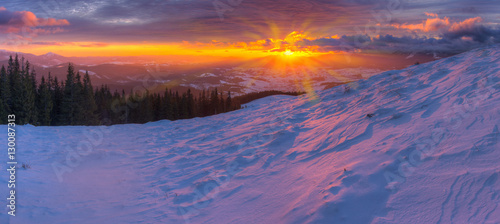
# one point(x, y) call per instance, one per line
point(199, 19)
point(477, 33)
point(164, 21)
point(448, 44)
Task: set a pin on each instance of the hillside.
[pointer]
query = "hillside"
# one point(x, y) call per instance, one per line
point(418, 145)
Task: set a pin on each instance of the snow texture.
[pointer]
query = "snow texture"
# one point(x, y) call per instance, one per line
point(419, 145)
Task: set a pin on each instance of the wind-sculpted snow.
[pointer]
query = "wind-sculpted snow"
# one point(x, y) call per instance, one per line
point(418, 145)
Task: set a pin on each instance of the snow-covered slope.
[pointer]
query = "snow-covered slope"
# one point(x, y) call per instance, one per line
point(418, 145)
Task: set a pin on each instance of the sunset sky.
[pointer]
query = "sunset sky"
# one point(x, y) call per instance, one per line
point(246, 28)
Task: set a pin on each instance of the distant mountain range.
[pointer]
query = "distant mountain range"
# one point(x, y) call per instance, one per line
point(228, 74)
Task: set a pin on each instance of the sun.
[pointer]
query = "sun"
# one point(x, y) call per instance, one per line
point(288, 52)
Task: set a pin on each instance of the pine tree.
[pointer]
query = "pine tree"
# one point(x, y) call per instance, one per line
point(89, 105)
point(115, 97)
point(103, 99)
point(175, 105)
point(204, 104)
point(190, 104)
point(68, 100)
point(167, 105)
point(57, 99)
point(131, 106)
point(157, 107)
point(4, 90)
point(183, 110)
point(17, 90)
point(78, 102)
point(29, 93)
point(229, 102)
point(126, 106)
point(147, 108)
point(214, 102)
point(222, 105)
point(3, 112)
point(45, 104)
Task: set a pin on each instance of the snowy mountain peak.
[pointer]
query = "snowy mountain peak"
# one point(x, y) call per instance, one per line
point(51, 55)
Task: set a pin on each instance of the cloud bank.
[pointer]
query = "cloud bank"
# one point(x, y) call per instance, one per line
point(441, 26)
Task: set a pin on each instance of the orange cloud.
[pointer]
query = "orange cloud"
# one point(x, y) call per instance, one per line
point(438, 24)
point(466, 24)
point(27, 18)
point(52, 22)
point(428, 25)
point(290, 42)
point(431, 14)
point(78, 44)
point(94, 45)
point(22, 26)
point(28, 24)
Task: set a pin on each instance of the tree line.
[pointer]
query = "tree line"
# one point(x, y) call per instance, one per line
point(75, 101)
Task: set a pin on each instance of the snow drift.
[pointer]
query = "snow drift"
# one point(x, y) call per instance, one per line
point(419, 145)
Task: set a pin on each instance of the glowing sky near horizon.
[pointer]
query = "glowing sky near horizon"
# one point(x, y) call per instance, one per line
point(243, 28)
